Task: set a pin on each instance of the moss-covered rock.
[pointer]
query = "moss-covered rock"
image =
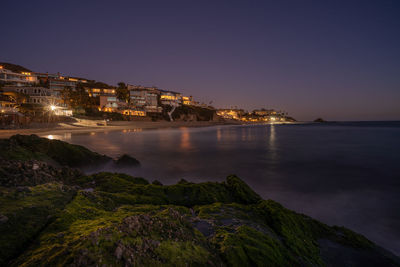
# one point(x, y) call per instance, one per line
point(32, 147)
point(141, 235)
point(139, 191)
point(28, 210)
point(33, 172)
point(54, 216)
point(123, 220)
point(126, 161)
point(299, 233)
point(241, 191)
point(248, 247)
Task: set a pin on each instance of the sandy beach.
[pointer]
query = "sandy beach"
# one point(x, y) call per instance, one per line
point(86, 126)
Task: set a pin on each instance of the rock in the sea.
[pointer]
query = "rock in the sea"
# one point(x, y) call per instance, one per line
point(319, 120)
point(126, 161)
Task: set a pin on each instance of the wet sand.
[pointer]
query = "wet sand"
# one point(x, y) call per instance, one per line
point(62, 128)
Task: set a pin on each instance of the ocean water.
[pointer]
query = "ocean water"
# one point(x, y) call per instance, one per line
point(340, 173)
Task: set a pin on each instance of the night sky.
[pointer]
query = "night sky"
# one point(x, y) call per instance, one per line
point(339, 60)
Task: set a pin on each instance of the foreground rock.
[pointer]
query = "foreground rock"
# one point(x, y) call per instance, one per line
point(33, 172)
point(111, 219)
point(126, 161)
point(32, 147)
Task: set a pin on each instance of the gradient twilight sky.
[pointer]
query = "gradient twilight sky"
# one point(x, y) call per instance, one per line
point(339, 60)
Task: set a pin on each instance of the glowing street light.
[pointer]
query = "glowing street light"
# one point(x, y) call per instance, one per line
point(52, 107)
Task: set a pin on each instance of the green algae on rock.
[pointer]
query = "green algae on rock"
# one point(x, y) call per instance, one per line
point(141, 224)
point(54, 216)
point(28, 210)
point(126, 161)
point(29, 147)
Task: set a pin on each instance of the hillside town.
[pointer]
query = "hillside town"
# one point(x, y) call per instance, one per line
point(27, 96)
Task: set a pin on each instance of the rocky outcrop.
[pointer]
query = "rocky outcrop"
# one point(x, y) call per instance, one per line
point(33, 172)
point(57, 216)
point(32, 147)
point(126, 161)
point(125, 221)
point(319, 120)
point(25, 211)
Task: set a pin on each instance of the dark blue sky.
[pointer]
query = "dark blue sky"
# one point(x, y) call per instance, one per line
point(336, 59)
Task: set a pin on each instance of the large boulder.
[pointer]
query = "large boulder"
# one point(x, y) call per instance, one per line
point(33, 147)
point(126, 161)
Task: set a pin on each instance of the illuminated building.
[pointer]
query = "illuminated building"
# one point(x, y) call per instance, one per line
point(17, 79)
point(110, 103)
point(61, 111)
point(264, 112)
point(233, 114)
point(36, 95)
point(8, 104)
point(187, 100)
point(146, 98)
point(58, 83)
point(170, 98)
point(133, 112)
point(93, 92)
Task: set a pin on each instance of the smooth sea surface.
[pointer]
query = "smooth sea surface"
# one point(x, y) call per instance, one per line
point(344, 174)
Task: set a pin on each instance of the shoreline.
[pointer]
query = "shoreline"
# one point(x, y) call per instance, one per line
point(62, 128)
point(87, 126)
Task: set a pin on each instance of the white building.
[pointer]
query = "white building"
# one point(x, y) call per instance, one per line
point(145, 98)
point(36, 95)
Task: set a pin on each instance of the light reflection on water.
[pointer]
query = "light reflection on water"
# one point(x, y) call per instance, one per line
point(339, 173)
point(185, 139)
point(65, 136)
point(272, 145)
